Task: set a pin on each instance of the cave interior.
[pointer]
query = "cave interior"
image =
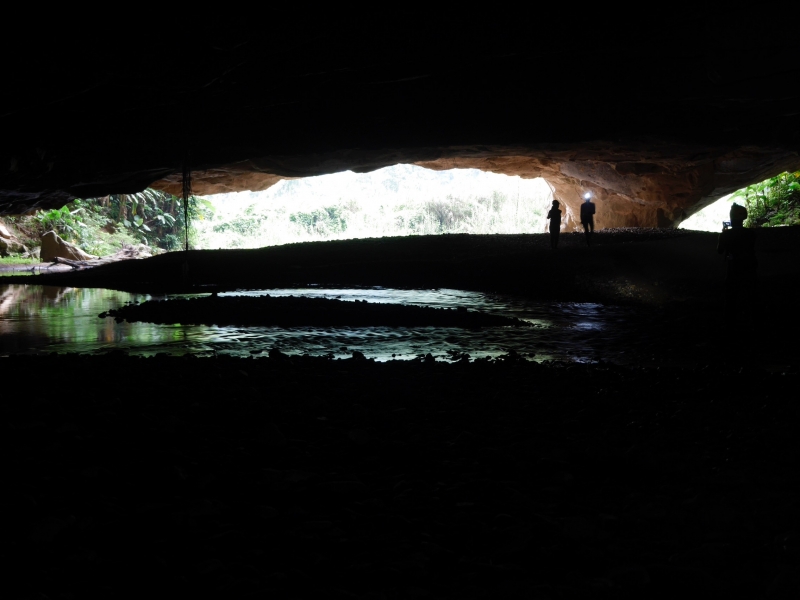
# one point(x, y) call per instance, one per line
point(656, 117)
point(300, 477)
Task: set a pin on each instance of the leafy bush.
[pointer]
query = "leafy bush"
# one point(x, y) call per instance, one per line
point(59, 219)
point(450, 215)
point(102, 226)
point(79, 223)
point(270, 223)
point(772, 202)
point(247, 224)
point(325, 221)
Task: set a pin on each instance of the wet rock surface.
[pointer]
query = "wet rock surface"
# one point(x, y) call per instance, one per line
point(298, 311)
point(304, 477)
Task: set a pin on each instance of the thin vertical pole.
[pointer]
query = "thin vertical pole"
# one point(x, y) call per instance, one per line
point(187, 192)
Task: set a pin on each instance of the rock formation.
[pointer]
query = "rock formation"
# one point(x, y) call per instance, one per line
point(632, 189)
point(659, 187)
point(9, 244)
point(54, 247)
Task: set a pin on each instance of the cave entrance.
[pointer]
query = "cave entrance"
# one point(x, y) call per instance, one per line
point(711, 217)
point(400, 200)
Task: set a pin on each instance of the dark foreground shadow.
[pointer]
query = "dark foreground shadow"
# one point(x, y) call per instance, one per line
point(301, 477)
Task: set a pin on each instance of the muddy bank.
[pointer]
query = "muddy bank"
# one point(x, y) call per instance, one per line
point(352, 479)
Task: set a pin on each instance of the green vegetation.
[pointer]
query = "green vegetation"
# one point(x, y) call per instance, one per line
point(264, 223)
point(773, 202)
point(325, 221)
point(401, 200)
point(17, 260)
point(67, 319)
point(101, 226)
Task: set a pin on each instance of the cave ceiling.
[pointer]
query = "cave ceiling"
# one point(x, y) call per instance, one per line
point(656, 117)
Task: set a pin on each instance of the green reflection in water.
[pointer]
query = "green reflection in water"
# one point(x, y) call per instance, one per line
point(43, 319)
point(36, 319)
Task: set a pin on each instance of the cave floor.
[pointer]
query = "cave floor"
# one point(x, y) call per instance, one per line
point(302, 476)
point(306, 477)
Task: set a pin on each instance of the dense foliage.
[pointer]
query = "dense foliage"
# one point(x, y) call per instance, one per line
point(101, 226)
point(772, 202)
point(263, 223)
point(401, 200)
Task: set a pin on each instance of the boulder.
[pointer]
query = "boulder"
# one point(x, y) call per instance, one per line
point(9, 244)
point(54, 247)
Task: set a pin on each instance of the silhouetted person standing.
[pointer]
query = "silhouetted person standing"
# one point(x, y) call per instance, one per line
point(555, 224)
point(738, 246)
point(587, 217)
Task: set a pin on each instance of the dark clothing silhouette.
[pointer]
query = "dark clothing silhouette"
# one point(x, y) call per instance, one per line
point(587, 218)
point(555, 226)
point(738, 246)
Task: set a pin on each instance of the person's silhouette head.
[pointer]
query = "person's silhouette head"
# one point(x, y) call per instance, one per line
point(555, 203)
point(738, 215)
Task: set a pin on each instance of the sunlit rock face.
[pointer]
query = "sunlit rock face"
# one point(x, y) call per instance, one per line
point(659, 185)
point(9, 244)
point(54, 247)
point(635, 186)
point(656, 118)
point(221, 180)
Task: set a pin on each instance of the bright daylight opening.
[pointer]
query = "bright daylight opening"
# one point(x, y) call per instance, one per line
point(774, 202)
point(711, 217)
point(400, 200)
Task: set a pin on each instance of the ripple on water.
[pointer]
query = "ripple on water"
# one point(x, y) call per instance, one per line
point(37, 320)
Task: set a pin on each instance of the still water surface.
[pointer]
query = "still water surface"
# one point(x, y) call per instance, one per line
point(44, 319)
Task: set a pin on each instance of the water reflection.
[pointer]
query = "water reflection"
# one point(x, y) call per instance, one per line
point(43, 319)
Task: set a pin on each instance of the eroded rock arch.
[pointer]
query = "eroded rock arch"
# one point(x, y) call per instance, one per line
point(633, 186)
